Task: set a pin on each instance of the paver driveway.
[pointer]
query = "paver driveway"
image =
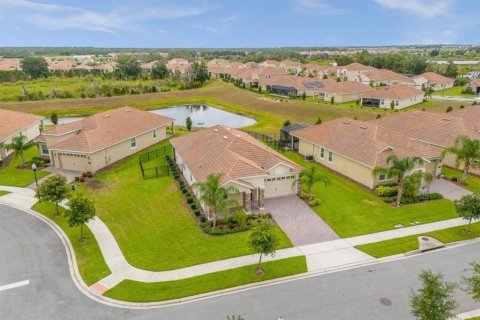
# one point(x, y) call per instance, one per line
point(298, 221)
point(448, 189)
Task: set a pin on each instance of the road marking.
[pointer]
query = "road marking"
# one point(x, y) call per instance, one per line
point(14, 285)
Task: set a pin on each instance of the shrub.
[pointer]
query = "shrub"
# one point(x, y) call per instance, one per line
point(303, 195)
point(196, 213)
point(183, 190)
point(203, 219)
point(462, 106)
point(89, 174)
point(82, 179)
point(386, 191)
point(389, 199)
point(314, 202)
point(449, 109)
point(240, 217)
point(454, 179)
point(77, 178)
point(189, 200)
point(193, 206)
point(84, 174)
point(428, 196)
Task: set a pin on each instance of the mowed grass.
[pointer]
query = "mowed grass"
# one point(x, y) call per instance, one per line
point(12, 176)
point(90, 260)
point(134, 291)
point(353, 210)
point(472, 183)
point(410, 243)
point(455, 91)
point(2, 193)
point(151, 223)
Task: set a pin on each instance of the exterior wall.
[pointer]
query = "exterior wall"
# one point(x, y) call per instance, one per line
point(401, 103)
point(30, 132)
point(354, 170)
point(346, 97)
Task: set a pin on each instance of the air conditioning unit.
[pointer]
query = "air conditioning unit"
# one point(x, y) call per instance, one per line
point(309, 157)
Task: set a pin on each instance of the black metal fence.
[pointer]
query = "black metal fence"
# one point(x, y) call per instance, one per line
point(153, 164)
point(272, 142)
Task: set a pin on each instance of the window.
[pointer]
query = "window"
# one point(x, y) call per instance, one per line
point(44, 148)
point(322, 153)
point(381, 177)
point(133, 143)
point(330, 156)
point(381, 102)
point(396, 103)
point(154, 133)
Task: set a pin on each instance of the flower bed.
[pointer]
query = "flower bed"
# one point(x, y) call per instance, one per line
point(388, 192)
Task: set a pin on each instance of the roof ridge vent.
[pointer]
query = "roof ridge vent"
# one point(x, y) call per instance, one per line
point(447, 119)
point(106, 116)
point(225, 137)
point(364, 126)
point(346, 121)
point(216, 130)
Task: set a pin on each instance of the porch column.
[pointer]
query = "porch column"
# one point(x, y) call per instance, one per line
point(261, 198)
point(173, 129)
point(298, 186)
point(247, 202)
point(255, 198)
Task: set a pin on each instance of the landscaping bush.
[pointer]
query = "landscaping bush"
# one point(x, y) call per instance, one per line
point(386, 191)
point(84, 174)
point(89, 174)
point(314, 202)
point(77, 178)
point(196, 213)
point(82, 179)
point(183, 190)
point(193, 206)
point(454, 179)
point(389, 199)
point(240, 217)
point(428, 196)
point(203, 219)
point(189, 200)
point(303, 195)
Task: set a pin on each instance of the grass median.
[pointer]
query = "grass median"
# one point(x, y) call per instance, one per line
point(134, 291)
point(410, 243)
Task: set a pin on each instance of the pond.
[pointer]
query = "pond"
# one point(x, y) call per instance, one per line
point(201, 115)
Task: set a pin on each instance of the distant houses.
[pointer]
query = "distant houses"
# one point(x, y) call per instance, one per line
point(433, 81)
point(475, 85)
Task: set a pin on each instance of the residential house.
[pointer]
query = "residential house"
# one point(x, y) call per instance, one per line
point(321, 71)
point(61, 65)
point(292, 86)
point(475, 85)
point(433, 81)
point(106, 67)
point(257, 171)
point(178, 65)
point(95, 142)
point(351, 71)
point(218, 62)
point(344, 91)
point(393, 97)
point(261, 75)
point(355, 148)
point(13, 123)
point(383, 77)
point(270, 63)
point(291, 67)
point(10, 64)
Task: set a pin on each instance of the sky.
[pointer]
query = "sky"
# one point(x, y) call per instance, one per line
point(238, 24)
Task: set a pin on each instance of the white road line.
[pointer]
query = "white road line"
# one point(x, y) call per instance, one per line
point(14, 285)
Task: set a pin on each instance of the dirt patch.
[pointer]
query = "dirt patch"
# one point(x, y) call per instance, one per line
point(93, 183)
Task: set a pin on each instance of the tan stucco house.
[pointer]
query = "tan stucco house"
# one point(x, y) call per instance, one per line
point(342, 91)
point(104, 138)
point(257, 171)
point(383, 77)
point(433, 81)
point(475, 85)
point(398, 96)
point(13, 123)
point(354, 148)
point(351, 71)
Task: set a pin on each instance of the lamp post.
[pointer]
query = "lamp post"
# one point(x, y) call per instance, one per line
point(34, 168)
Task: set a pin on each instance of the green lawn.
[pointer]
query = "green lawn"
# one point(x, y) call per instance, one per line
point(2, 193)
point(12, 176)
point(410, 243)
point(352, 210)
point(455, 91)
point(152, 225)
point(90, 261)
point(134, 291)
point(472, 183)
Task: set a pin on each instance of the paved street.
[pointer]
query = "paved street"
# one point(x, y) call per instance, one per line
point(30, 250)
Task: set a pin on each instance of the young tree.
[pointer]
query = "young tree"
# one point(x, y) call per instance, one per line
point(80, 211)
point(310, 177)
point(263, 240)
point(54, 118)
point(468, 207)
point(467, 153)
point(18, 144)
point(286, 123)
point(434, 301)
point(215, 196)
point(188, 123)
point(319, 121)
point(399, 168)
point(473, 281)
point(128, 66)
point(53, 189)
point(159, 70)
point(304, 95)
point(35, 67)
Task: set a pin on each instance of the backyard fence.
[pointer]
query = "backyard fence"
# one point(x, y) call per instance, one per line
point(153, 164)
point(272, 142)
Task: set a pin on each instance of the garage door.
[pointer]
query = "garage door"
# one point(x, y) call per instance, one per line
point(70, 161)
point(279, 186)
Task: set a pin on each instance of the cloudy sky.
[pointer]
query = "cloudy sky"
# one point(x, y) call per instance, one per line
point(241, 23)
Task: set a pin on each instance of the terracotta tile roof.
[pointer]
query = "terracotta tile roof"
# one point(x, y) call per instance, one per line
point(13, 122)
point(364, 142)
point(290, 63)
point(109, 66)
point(395, 92)
point(345, 87)
point(292, 81)
point(105, 129)
point(273, 63)
point(61, 65)
point(434, 78)
point(385, 74)
point(355, 66)
point(231, 152)
point(10, 64)
point(475, 82)
point(439, 129)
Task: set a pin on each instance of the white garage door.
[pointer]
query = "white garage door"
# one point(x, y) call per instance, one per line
point(279, 186)
point(75, 162)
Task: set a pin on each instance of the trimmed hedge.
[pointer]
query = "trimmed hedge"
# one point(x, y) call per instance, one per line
point(416, 199)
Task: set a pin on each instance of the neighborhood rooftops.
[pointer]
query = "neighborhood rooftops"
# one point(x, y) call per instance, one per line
point(434, 78)
point(105, 129)
point(394, 92)
point(13, 122)
point(344, 87)
point(231, 152)
point(364, 142)
point(355, 66)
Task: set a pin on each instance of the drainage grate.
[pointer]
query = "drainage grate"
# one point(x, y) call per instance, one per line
point(385, 301)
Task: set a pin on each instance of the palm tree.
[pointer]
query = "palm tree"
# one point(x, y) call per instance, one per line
point(215, 196)
point(467, 152)
point(18, 144)
point(310, 177)
point(399, 168)
point(413, 182)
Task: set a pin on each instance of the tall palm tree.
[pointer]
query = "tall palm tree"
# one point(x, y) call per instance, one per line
point(399, 168)
point(18, 144)
point(215, 196)
point(310, 177)
point(467, 152)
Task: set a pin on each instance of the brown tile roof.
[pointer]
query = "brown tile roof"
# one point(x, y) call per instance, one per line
point(385, 74)
point(395, 92)
point(61, 65)
point(108, 66)
point(434, 128)
point(10, 64)
point(345, 87)
point(231, 152)
point(13, 122)
point(475, 82)
point(355, 66)
point(364, 142)
point(290, 81)
point(434, 78)
point(105, 129)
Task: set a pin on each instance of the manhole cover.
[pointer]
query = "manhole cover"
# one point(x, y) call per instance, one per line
point(385, 301)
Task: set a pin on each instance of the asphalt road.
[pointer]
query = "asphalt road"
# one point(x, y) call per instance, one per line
point(31, 250)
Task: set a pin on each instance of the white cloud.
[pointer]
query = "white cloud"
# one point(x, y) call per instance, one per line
point(316, 7)
point(426, 8)
point(220, 25)
point(59, 17)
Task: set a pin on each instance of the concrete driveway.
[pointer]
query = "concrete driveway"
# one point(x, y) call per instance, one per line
point(299, 221)
point(448, 189)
